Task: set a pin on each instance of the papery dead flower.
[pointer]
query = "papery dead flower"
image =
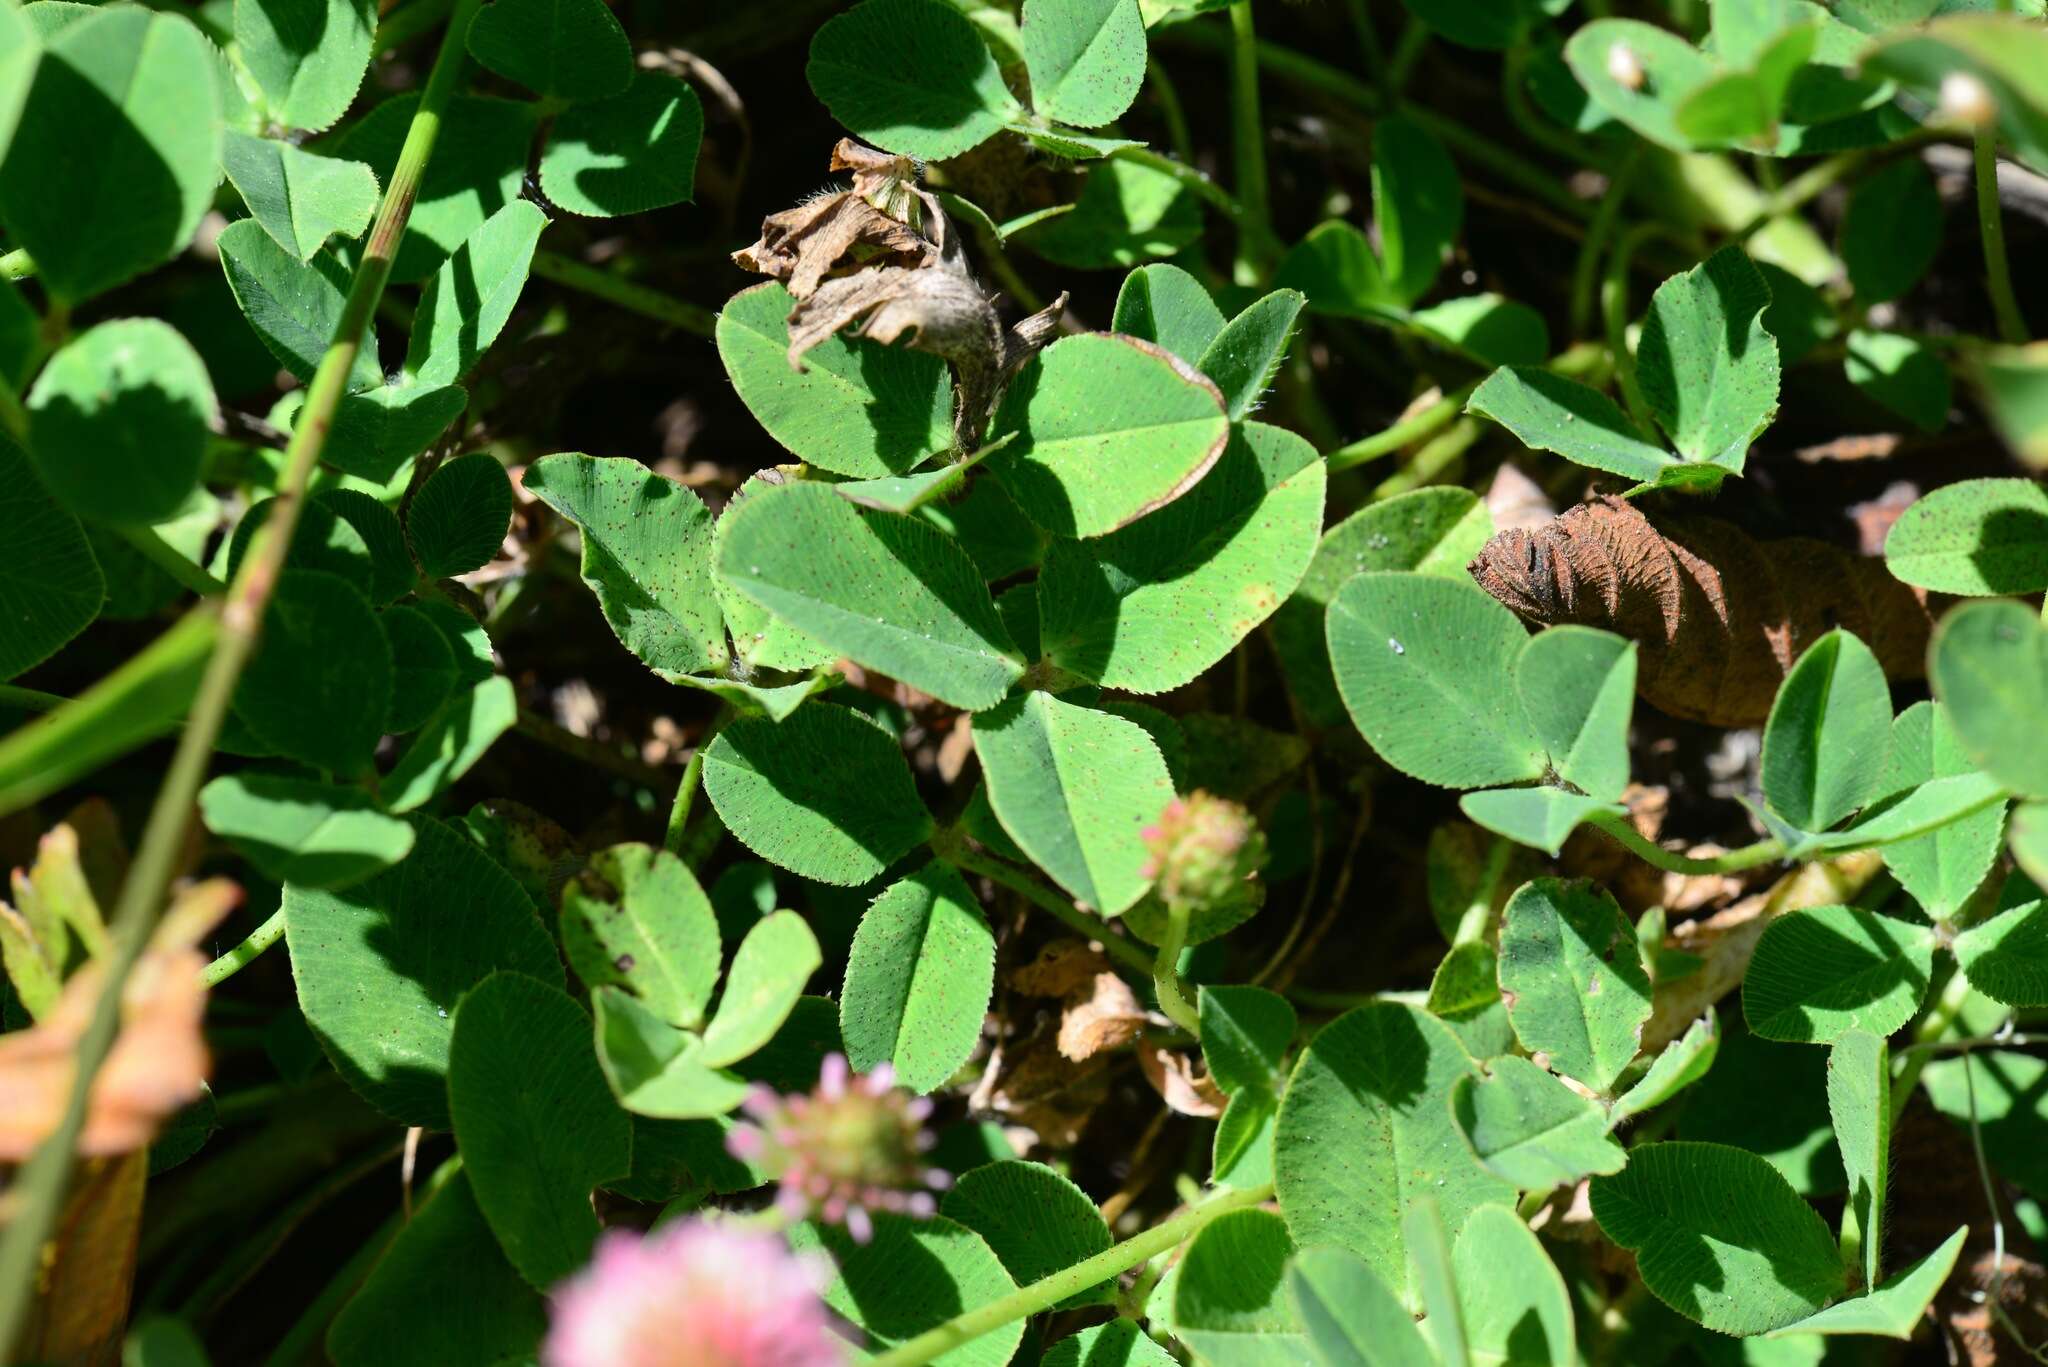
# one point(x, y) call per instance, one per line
point(158, 1061)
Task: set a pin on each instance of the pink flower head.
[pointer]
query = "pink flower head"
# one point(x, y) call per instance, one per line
point(1202, 847)
point(692, 1294)
point(853, 1146)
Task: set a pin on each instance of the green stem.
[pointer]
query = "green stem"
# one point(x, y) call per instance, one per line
point(1431, 461)
point(1934, 1027)
point(1047, 1292)
point(1614, 305)
point(165, 557)
point(1126, 952)
point(17, 265)
point(40, 1184)
point(1586, 274)
point(1171, 110)
point(30, 699)
point(13, 417)
point(663, 308)
point(1623, 833)
point(1250, 144)
point(594, 753)
point(1407, 52)
point(1166, 983)
point(2012, 328)
point(693, 780)
point(1410, 429)
point(247, 952)
point(1204, 188)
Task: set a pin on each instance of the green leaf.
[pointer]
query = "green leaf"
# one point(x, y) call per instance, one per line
point(323, 541)
point(1489, 25)
point(51, 587)
point(1074, 788)
point(918, 980)
point(655, 1069)
point(478, 167)
point(825, 794)
point(1431, 531)
point(1242, 1155)
point(1243, 358)
point(1350, 1317)
point(1126, 213)
point(1229, 1296)
point(1829, 733)
point(1742, 107)
point(564, 49)
point(1940, 870)
point(314, 835)
point(759, 639)
point(892, 593)
point(1891, 231)
point(118, 421)
point(1418, 205)
point(1086, 58)
point(1246, 1032)
point(913, 1276)
point(469, 300)
point(1859, 1104)
point(1488, 329)
point(1108, 429)
point(450, 743)
point(636, 918)
point(137, 88)
point(1578, 687)
point(1904, 374)
point(459, 517)
point(1825, 970)
point(1977, 536)
point(628, 154)
point(1117, 1343)
point(300, 198)
point(1989, 667)
point(1682, 1062)
point(442, 1293)
point(767, 975)
point(295, 306)
point(422, 668)
point(1707, 367)
point(1541, 817)
point(856, 408)
point(1365, 1128)
point(2006, 957)
point(1548, 412)
point(1896, 1309)
point(391, 572)
point(1037, 1222)
point(1513, 1302)
point(1165, 305)
point(537, 1127)
point(646, 555)
point(911, 77)
point(381, 966)
point(2013, 385)
point(1719, 1236)
point(1770, 1099)
point(2029, 839)
point(1419, 661)
point(1153, 606)
point(2002, 1090)
point(1577, 988)
point(379, 430)
point(307, 56)
point(2007, 53)
point(319, 683)
point(1336, 268)
point(1443, 1321)
point(1669, 66)
point(1526, 1127)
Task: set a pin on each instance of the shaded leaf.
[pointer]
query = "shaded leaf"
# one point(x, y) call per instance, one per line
point(1229, 1295)
point(628, 154)
point(568, 49)
point(51, 587)
point(1828, 736)
point(909, 76)
point(1707, 367)
point(1035, 1220)
point(319, 683)
point(1896, 1309)
point(1976, 536)
point(297, 831)
point(469, 300)
point(295, 306)
point(478, 166)
point(1826, 970)
point(307, 56)
point(299, 197)
point(913, 1276)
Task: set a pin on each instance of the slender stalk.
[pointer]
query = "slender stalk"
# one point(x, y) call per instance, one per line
point(1126, 952)
point(1619, 829)
point(30, 699)
point(1166, 983)
point(1436, 456)
point(686, 796)
point(1410, 429)
point(1586, 274)
point(1250, 143)
point(1407, 52)
point(1934, 1028)
point(664, 308)
point(245, 953)
point(1047, 1292)
point(2005, 304)
point(1171, 110)
point(1614, 306)
point(41, 1182)
point(165, 557)
point(538, 728)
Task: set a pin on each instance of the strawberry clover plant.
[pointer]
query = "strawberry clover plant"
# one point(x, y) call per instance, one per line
point(1335, 683)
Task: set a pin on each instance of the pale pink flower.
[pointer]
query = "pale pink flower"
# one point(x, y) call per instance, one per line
point(840, 1153)
point(692, 1294)
point(1202, 848)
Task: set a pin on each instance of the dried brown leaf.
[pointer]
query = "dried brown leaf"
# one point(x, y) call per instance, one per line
point(1173, 1076)
point(1106, 1016)
point(87, 1275)
point(1718, 616)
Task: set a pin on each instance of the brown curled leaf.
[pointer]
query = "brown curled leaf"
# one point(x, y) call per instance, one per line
point(1718, 616)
